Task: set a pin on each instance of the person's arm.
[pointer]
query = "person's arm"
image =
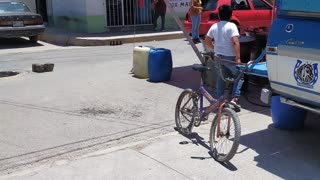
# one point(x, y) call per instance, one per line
point(236, 47)
point(193, 6)
point(208, 42)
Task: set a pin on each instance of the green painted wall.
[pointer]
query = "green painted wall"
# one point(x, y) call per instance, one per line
point(87, 24)
point(96, 24)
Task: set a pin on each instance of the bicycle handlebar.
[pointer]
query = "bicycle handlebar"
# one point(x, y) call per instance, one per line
point(246, 65)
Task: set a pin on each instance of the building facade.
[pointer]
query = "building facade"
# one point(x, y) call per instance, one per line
point(98, 16)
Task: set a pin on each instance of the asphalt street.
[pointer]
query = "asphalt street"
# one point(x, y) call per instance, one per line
point(90, 100)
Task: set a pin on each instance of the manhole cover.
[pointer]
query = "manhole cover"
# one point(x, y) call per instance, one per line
point(8, 73)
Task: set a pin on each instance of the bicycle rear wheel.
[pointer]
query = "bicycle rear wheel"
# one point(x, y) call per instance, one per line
point(185, 112)
point(224, 144)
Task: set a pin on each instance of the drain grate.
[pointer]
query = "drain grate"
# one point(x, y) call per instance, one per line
point(115, 43)
point(8, 73)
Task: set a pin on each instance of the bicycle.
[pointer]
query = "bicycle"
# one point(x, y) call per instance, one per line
point(221, 127)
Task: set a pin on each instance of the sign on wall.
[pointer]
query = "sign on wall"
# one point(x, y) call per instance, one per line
point(180, 5)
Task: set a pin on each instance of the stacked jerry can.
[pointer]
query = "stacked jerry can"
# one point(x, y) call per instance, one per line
point(160, 65)
point(140, 61)
point(152, 63)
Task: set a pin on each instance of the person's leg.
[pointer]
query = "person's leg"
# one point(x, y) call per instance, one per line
point(194, 27)
point(156, 16)
point(198, 26)
point(163, 20)
point(236, 91)
point(220, 82)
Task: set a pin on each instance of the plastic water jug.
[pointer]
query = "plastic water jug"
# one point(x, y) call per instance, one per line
point(160, 65)
point(140, 61)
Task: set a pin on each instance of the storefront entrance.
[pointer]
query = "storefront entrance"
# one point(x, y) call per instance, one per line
point(41, 7)
point(127, 13)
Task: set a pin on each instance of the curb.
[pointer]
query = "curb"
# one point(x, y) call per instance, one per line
point(107, 41)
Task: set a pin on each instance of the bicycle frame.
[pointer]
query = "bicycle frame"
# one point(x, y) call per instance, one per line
point(214, 103)
point(203, 93)
point(222, 101)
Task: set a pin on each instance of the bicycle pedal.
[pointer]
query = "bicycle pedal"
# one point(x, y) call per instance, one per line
point(185, 131)
point(197, 123)
point(204, 118)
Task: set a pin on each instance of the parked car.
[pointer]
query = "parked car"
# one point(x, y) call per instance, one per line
point(247, 15)
point(17, 20)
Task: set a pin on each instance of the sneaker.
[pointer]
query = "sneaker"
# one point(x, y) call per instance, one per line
point(198, 40)
point(235, 103)
point(195, 41)
point(235, 100)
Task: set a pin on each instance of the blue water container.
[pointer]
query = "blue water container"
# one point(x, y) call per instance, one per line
point(285, 116)
point(159, 65)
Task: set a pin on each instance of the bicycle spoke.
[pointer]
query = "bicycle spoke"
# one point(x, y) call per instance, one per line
point(186, 103)
point(225, 135)
point(185, 112)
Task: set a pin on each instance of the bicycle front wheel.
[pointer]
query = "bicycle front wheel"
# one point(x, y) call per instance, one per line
point(185, 112)
point(225, 135)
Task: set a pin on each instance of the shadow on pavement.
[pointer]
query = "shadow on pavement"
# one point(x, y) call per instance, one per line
point(13, 43)
point(197, 140)
point(287, 154)
point(184, 77)
point(250, 98)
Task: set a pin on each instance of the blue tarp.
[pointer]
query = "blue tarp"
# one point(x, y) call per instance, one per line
point(258, 68)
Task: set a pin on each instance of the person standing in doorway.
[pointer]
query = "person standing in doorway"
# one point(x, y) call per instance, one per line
point(160, 9)
point(195, 13)
point(223, 38)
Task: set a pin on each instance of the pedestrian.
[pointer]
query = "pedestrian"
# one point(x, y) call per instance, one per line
point(159, 9)
point(195, 13)
point(223, 38)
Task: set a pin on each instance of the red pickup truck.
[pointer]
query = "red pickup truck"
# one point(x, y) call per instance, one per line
point(247, 15)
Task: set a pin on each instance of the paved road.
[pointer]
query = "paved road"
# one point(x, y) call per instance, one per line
point(89, 101)
point(23, 45)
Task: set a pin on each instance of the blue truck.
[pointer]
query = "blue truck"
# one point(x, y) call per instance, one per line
point(293, 55)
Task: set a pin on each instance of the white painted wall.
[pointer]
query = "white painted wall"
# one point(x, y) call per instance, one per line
point(96, 7)
point(69, 8)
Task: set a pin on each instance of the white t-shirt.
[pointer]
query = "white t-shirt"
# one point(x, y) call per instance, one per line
point(221, 33)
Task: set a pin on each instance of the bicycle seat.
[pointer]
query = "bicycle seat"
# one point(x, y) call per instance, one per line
point(200, 67)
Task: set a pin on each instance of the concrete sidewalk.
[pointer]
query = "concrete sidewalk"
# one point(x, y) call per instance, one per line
point(264, 153)
point(67, 38)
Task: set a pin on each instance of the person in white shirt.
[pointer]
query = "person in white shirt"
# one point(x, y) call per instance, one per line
point(223, 38)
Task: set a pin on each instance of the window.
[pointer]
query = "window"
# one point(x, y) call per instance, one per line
point(240, 5)
point(260, 5)
point(13, 7)
point(209, 5)
point(296, 8)
point(312, 6)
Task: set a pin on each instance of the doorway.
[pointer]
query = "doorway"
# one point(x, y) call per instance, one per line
point(41, 7)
